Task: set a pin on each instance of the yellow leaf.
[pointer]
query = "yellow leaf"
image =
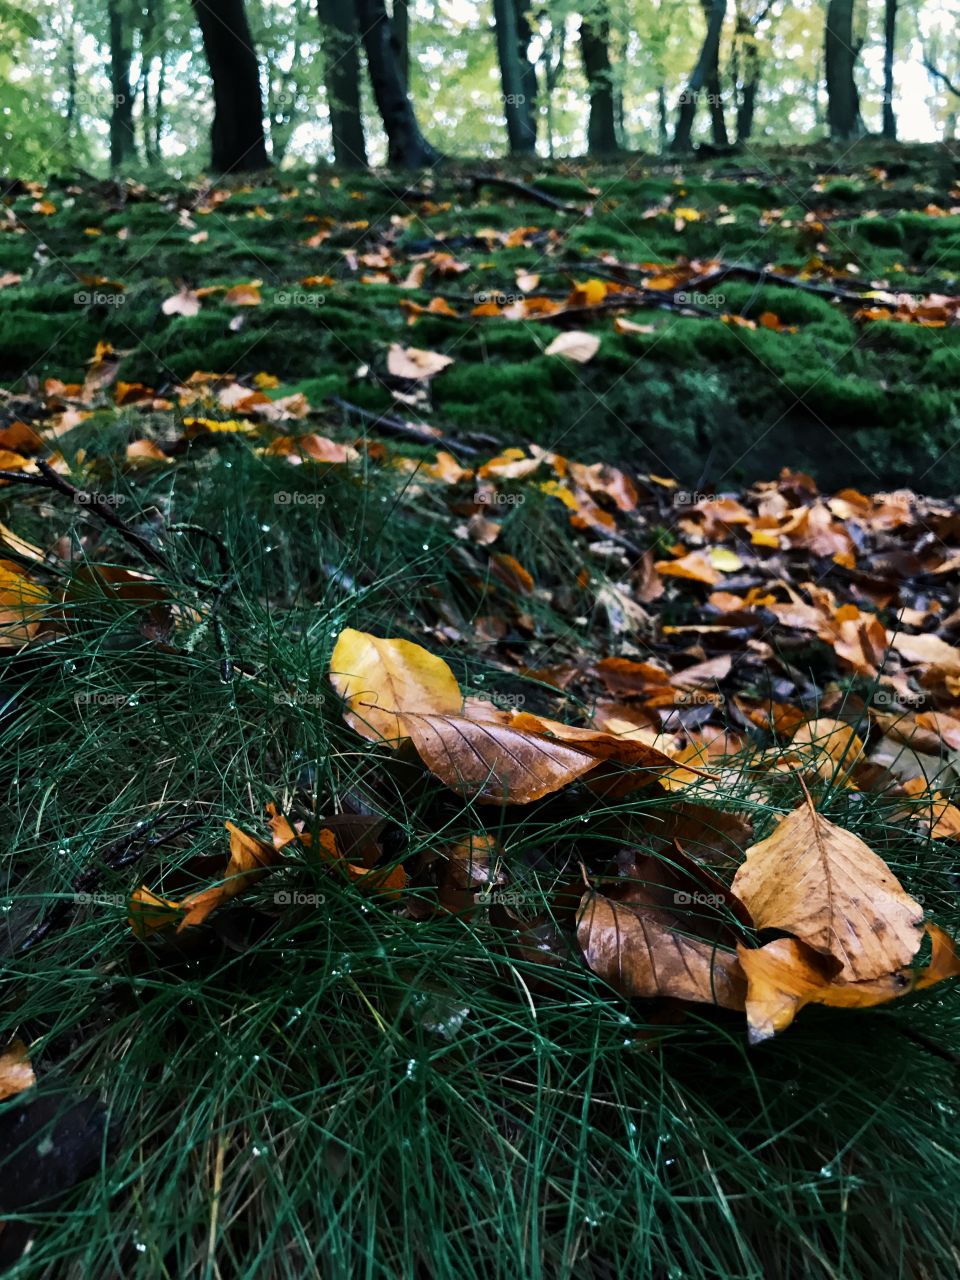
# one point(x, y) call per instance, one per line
point(381, 680)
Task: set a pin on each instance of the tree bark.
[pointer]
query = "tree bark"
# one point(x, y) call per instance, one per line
point(840, 56)
point(400, 18)
point(341, 78)
point(407, 148)
point(595, 52)
point(748, 68)
point(889, 50)
point(718, 123)
point(709, 54)
point(237, 139)
point(511, 53)
point(122, 140)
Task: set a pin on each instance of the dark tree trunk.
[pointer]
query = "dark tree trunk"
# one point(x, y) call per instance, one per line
point(237, 140)
point(662, 125)
point(152, 36)
point(889, 49)
point(595, 52)
point(341, 76)
point(122, 140)
point(400, 18)
point(709, 54)
point(407, 148)
point(511, 52)
point(840, 56)
point(749, 69)
point(718, 123)
point(528, 72)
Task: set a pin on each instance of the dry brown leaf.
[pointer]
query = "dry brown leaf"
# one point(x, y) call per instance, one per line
point(641, 951)
point(831, 745)
point(415, 364)
point(928, 650)
point(822, 883)
point(575, 345)
point(493, 762)
point(785, 975)
point(16, 1073)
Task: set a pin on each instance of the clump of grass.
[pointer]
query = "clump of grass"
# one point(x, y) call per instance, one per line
point(322, 1084)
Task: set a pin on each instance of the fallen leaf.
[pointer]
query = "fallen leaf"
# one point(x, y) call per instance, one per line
point(822, 883)
point(383, 680)
point(493, 762)
point(641, 951)
point(16, 1073)
point(786, 975)
point(412, 363)
point(574, 345)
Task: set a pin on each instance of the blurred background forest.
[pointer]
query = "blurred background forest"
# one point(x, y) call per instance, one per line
point(84, 83)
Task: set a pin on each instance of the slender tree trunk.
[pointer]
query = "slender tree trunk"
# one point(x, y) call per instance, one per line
point(71, 77)
point(840, 56)
point(518, 111)
point(406, 146)
point(709, 53)
point(595, 52)
point(158, 100)
point(528, 72)
point(122, 140)
point(748, 66)
point(400, 18)
point(663, 129)
point(889, 50)
point(341, 75)
point(237, 140)
point(718, 123)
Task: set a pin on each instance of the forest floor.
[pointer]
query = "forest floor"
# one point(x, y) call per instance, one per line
point(661, 452)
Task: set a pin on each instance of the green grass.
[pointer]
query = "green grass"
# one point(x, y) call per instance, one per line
point(333, 1088)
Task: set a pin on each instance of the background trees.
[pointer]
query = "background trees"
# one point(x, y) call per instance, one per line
point(147, 82)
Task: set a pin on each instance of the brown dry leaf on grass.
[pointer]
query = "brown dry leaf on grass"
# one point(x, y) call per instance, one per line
point(785, 975)
point(16, 1073)
point(823, 884)
point(642, 951)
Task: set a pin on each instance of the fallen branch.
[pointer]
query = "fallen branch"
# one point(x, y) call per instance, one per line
point(478, 180)
point(388, 425)
point(120, 853)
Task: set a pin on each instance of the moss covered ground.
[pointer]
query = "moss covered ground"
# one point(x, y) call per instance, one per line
point(868, 403)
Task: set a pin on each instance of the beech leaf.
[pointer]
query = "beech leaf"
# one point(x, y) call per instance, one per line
point(823, 884)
